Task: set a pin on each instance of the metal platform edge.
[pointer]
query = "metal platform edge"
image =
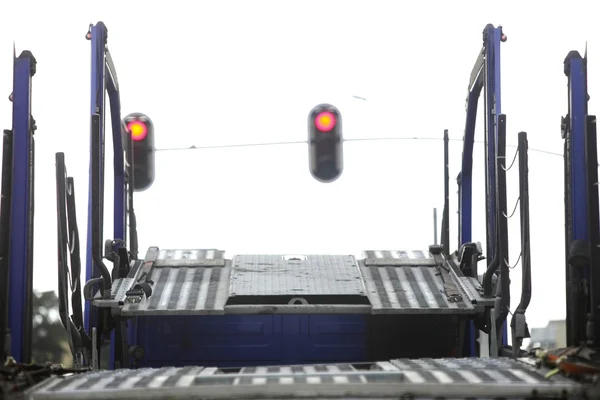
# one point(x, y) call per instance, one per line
point(394, 378)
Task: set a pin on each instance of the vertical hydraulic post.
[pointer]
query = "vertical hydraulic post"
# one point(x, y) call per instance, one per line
point(485, 75)
point(576, 200)
point(582, 225)
point(97, 35)
point(20, 255)
point(492, 106)
point(103, 80)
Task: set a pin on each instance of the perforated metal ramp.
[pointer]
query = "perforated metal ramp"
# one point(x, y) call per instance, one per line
point(411, 282)
point(439, 378)
point(185, 282)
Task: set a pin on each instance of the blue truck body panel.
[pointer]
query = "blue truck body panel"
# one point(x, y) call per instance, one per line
point(242, 340)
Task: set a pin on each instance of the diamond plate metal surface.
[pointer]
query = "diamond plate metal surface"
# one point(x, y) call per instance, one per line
point(477, 377)
point(273, 275)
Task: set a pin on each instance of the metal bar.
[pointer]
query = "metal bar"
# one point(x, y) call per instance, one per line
point(465, 177)
point(491, 110)
point(576, 199)
point(98, 206)
point(120, 194)
point(299, 309)
point(518, 323)
point(446, 216)
point(118, 352)
point(485, 75)
point(570, 289)
point(435, 224)
point(103, 80)
point(97, 36)
point(477, 72)
point(111, 73)
point(7, 150)
point(133, 239)
point(499, 37)
point(594, 228)
point(20, 309)
point(465, 181)
point(502, 302)
point(28, 309)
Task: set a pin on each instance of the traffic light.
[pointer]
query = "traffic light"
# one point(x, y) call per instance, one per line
point(325, 142)
point(140, 130)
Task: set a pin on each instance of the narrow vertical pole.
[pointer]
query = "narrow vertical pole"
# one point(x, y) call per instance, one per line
point(446, 216)
point(435, 226)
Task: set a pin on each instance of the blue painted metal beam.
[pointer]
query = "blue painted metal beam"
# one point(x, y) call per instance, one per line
point(485, 75)
point(103, 80)
point(578, 115)
point(21, 221)
point(576, 199)
point(492, 110)
point(98, 40)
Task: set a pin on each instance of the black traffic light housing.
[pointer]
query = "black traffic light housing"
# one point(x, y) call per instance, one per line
point(325, 143)
point(140, 135)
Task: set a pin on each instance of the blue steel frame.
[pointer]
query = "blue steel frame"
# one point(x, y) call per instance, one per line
point(576, 172)
point(485, 75)
point(103, 80)
point(21, 227)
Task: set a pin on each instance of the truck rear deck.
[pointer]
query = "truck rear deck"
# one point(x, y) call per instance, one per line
point(256, 310)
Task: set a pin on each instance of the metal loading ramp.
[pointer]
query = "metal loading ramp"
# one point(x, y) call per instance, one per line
point(440, 378)
point(412, 282)
point(185, 282)
point(203, 282)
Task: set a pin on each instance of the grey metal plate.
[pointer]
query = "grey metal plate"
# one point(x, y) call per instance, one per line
point(185, 282)
point(410, 288)
point(427, 377)
point(272, 275)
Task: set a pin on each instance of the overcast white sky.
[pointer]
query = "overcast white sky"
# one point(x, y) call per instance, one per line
point(219, 72)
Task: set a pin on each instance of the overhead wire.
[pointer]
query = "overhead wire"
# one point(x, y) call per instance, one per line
point(376, 139)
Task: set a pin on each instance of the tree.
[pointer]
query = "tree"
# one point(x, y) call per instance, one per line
point(49, 342)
